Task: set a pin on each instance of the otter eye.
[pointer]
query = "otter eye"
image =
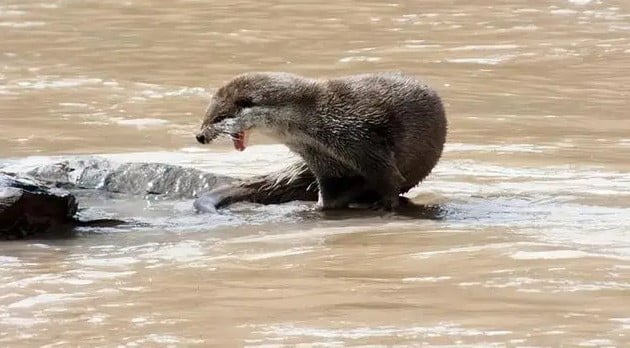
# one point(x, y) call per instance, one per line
point(244, 103)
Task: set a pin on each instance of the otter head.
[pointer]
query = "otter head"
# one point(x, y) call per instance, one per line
point(251, 101)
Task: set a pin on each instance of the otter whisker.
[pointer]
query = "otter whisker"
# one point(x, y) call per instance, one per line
point(225, 133)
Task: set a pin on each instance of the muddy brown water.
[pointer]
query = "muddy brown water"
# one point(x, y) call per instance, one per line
point(525, 240)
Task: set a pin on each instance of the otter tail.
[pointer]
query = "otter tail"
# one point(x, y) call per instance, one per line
point(295, 182)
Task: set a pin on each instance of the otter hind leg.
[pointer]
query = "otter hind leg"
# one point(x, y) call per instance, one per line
point(341, 182)
point(385, 179)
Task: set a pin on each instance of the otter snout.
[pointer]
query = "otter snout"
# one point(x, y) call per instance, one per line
point(207, 135)
point(201, 138)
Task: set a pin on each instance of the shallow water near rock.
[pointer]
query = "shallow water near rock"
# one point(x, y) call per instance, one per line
point(523, 234)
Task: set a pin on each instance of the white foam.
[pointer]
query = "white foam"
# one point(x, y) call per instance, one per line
point(481, 60)
point(108, 262)
point(550, 255)
point(159, 92)
point(563, 12)
point(467, 249)
point(275, 254)
point(75, 105)
point(598, 342)
point(484, 47)
point(99, 275)
point(9, 260)
point(4, 12)
point(500, 148)
point(625, 322)
point(184, 251)
point(195, 149)
point(425, 279)
point(25, 24)
point(22, 322)
point(97, 318)
point(45, 82)
point(439, 330)
point(359, 59)
point(42, 299)
point(140, 122)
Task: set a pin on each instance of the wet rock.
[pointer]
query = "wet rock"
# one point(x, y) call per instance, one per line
point(146, 179)
point(29, 208)
point(162, 180)
point(35, 201)
point(88, 173)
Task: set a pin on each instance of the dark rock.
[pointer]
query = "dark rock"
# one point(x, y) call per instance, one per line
point(28, 208)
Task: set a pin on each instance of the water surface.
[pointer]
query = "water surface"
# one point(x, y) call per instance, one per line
point(524, 240)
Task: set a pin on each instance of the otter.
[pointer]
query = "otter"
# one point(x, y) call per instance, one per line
point(362, 139)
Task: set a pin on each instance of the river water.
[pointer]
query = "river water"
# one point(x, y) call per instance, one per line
point(525, 239)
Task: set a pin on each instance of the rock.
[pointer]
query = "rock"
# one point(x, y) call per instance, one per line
point(152, 179)
point(88, 173)
point(163, 180)
point(28, 208)
point(35, 201)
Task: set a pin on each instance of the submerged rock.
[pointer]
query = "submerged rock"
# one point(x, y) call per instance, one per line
point(28, 208)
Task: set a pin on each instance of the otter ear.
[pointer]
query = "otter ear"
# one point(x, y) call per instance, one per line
point(244, 102)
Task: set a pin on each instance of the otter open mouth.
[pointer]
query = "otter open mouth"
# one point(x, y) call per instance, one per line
point(240, 140)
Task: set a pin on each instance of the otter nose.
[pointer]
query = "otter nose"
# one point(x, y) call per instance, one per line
point(201, 138)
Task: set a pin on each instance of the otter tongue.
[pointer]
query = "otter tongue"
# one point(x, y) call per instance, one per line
point(240, 140)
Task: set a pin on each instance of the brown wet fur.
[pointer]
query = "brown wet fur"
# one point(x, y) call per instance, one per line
point(362, 139)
